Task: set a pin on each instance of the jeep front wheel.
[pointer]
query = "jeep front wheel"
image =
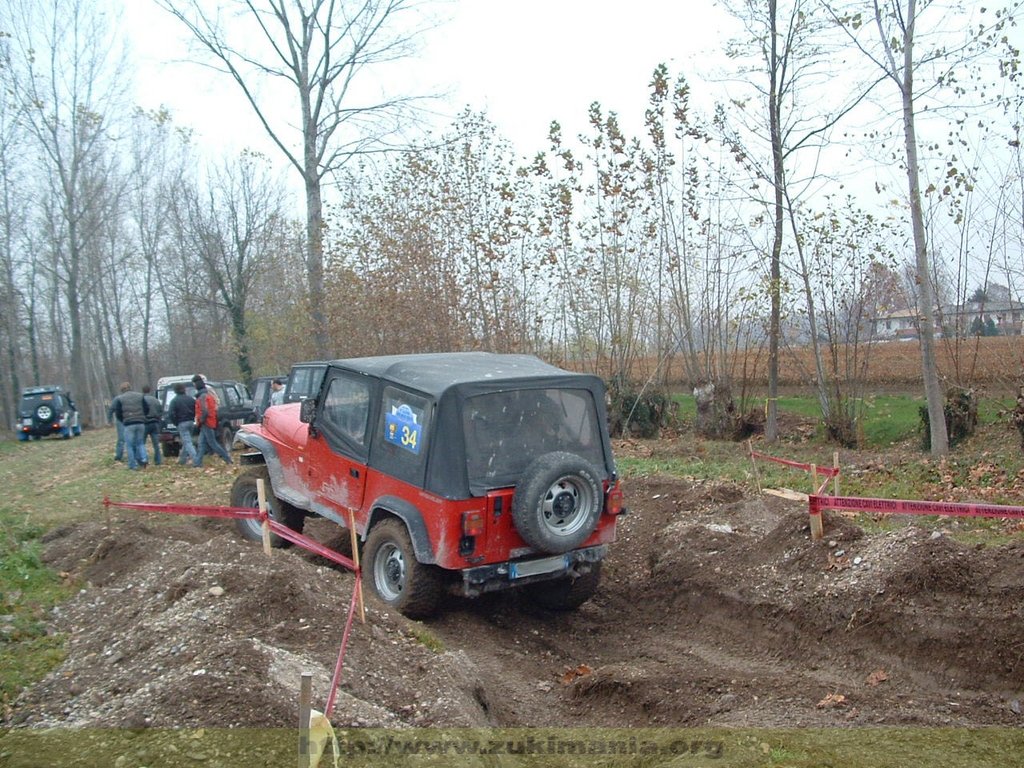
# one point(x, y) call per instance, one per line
point(399, 579)
point(244, 493)
point(557, 502)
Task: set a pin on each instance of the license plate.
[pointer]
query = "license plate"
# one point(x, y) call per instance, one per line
point(534, 567)
point(26, 422)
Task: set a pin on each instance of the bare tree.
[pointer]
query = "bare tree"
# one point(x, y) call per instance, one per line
point(236, 229)
point(891, 36)
point(322, 50)
point(71, 78)
point(789, 68)
point(12, 229)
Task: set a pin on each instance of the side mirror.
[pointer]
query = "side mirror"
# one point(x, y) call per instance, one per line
point(307, 410)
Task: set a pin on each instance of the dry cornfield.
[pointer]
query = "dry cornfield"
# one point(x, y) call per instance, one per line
point(996, 363)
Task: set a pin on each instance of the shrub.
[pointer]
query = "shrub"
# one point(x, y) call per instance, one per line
point(637, 411)
point(961, 413)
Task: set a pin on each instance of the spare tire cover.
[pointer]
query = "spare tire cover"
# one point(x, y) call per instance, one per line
point(557, 502)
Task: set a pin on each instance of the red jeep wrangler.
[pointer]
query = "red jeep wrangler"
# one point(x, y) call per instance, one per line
point(466, 472)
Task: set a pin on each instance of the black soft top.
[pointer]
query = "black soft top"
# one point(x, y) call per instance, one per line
point(450, 379)
point(436, 373)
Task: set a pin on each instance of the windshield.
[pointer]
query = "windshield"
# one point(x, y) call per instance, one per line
point(505, 431)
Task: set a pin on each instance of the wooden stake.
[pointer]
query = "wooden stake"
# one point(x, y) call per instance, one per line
point(305, 706)
point(355, 559)
point(817, 529)
point(262, 496)
point(753, 463)
point(835, 477)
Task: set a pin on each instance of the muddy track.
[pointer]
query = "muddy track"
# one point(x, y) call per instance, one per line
point(715, 609)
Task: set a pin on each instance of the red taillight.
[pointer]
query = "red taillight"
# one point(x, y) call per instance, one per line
point(614, 503)
point(472, 523)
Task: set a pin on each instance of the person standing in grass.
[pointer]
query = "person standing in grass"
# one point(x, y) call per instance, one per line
point(130, 410)
point(154, 417)
point(277, 395)
point(119, 448)
point(206, 419)
point(182, 414)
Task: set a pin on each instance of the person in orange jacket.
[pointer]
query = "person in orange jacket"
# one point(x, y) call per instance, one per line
point(206, 420)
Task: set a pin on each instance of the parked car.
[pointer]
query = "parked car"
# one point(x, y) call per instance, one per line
point(261, 392)
point(234, 408)
point(304, 381)
point(46, 411)
point(468, 472)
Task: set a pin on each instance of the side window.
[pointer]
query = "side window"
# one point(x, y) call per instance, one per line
point(404, 425)
point(304, 382)
point(403, 421)
point(231, 395)
point(346, 409)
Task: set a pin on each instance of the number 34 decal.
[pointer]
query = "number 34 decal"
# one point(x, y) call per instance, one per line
point(401, 428)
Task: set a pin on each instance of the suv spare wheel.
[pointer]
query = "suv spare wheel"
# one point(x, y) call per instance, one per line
point(557, 503)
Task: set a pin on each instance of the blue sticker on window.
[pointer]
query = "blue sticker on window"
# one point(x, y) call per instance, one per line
point(402, 429)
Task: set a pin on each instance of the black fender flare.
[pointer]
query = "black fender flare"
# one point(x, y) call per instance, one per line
point(393, 506)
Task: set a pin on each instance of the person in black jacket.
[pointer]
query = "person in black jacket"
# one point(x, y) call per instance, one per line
point(182, 413)
point(130, 410)
point(154, 418)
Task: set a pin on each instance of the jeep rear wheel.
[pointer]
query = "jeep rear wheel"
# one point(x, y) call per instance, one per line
point(225, 437)
point(399, 579)
point(244, 493)
point(557, 502)
point(565, 594)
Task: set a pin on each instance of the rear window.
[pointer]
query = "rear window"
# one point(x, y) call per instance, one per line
point(506, 431)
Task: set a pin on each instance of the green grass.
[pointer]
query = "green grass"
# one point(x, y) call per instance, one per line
point(28, 593)
point(886, 419)
point(548, 747)
point(52, 482)
point(428, 640)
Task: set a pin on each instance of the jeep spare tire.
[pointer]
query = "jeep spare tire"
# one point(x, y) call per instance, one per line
point(557, 502)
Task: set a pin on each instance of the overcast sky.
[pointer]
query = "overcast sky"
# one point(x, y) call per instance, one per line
point(526, 62)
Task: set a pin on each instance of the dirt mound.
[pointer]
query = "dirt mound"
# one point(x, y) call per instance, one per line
point(715, 609)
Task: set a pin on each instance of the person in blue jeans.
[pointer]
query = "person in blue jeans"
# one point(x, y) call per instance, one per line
point(111, 416)
point(154, 418)
point(206, 418)
point(182, 414)
point(130, 410)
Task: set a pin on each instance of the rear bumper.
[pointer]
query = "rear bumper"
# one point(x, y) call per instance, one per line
point(513, 573)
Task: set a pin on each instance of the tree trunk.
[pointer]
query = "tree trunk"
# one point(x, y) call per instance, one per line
point(716, 410)
point(771, 424)
point(315, 260)
point(929, 367)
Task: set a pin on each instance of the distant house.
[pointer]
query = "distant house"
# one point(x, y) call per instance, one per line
point(900, 324)
point(903, 324)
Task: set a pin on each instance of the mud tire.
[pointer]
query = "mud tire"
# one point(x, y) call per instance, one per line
point(244, 493)
point(398, 578)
